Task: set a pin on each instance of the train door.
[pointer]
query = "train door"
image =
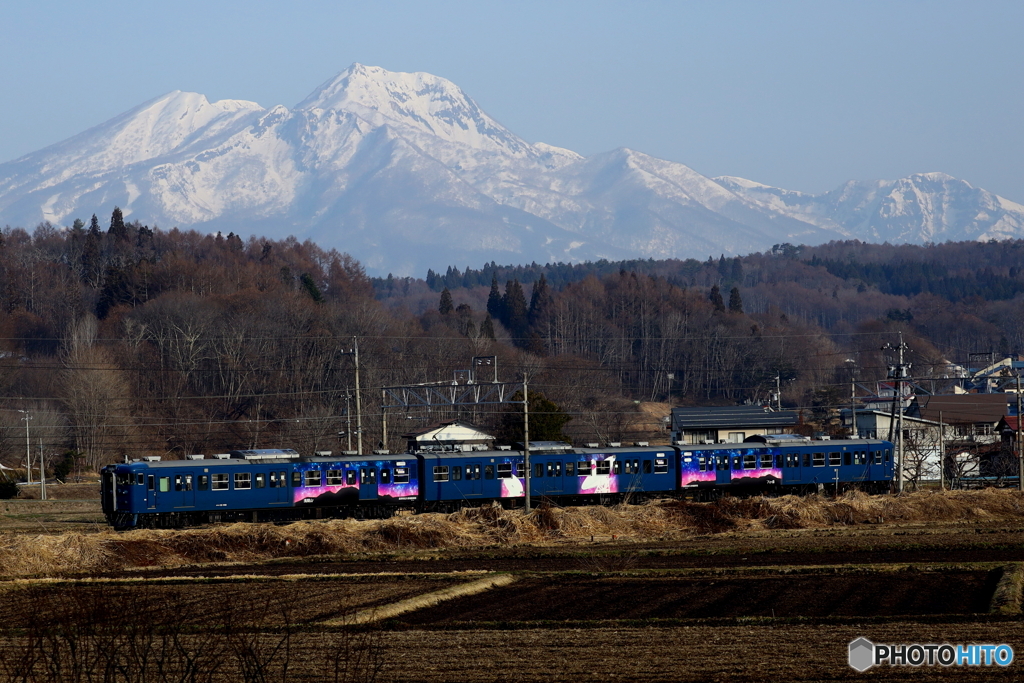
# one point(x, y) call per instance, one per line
point(151, 491)
point(184, 489)
point(553, 481)
point(723, 467)
point(474, 477)
point(367, 482)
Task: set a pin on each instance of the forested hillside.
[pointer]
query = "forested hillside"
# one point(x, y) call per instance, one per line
point(124, 339)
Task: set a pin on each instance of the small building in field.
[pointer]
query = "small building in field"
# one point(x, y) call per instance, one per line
point(731, 424)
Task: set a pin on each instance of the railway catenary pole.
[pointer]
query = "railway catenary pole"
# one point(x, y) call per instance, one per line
point(359, 412)
point(526, 443)
point(42, 472)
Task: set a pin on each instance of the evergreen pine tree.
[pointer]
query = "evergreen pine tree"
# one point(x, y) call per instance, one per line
point(715, 297)
point(118, 230)
point(495, 308)
point(514, 305)
point(540, 300)
point(446, 306)
point(735, 302)
point(487, 328)
point(310, 287)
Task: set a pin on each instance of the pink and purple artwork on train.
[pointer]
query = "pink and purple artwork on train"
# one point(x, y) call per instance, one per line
point(596, 474)
point(743, 465)
point(340, 485)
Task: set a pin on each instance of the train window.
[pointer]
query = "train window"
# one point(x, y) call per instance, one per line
point(538, 469)
point(367, 475)
point(165, 484)
point(647, 467)
point(616, 467)
point(504, 470)
point(219, 482)
point(261, 480)
point(737, 463)
point(313, 478)
point(140, 479)
point(749, 461)
point(177, 482)
point(273, 480)
point(475, 469)
point(585, 467)
point(488, 471)
point(835, 459)
point(188, 482)
point(819, 460)
point(847, 458)
point(440, 473)
point(520, 469)
point(888, 455)
point(203, 482)
point(350, 477)
point(385, 475)
point(660, 466)
point(334, 477)
point(456, 473)
point(401, 475)
point(557, 469)
point(243, 480)
point(807, 459)
point(296, 479)
point(878, 457)
point(150, 482)
point(604, 467)
point(766, 460)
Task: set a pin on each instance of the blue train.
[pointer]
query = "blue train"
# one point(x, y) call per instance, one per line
point(279, 484)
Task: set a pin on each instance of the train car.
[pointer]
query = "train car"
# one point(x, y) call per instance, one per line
point(254, 485)
point(785, 464)
point(278, 484)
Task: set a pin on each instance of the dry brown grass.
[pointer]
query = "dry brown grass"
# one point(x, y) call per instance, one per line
point(56, 554)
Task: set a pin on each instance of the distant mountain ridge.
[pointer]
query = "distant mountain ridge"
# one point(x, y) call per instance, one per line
point(406, 172)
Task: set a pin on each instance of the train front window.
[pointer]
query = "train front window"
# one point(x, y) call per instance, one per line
point(124, 478)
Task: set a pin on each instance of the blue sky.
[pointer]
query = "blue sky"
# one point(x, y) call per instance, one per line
point(803, 95)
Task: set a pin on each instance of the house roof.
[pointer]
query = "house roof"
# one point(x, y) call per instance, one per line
point(964, 408)
point(452, 430)
point(730, 416)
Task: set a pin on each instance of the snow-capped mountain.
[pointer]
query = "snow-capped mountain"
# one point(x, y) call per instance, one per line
point(406, 172)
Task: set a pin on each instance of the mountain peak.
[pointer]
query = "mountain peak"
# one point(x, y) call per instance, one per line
point(419, 101)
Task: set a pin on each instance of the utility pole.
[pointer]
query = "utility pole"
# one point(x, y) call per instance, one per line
point(942, 454)
point(899, 372)
point(383, 420)
point(1020, 442)
point(526, 441)
point(778, 393)
point(28, 448)
point(42, 472)
point(854, 433)
point(348, 421)
point(354, 352)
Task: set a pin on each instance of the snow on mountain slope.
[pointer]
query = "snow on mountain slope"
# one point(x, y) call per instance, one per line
point(406, 172)
point(925, 207)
